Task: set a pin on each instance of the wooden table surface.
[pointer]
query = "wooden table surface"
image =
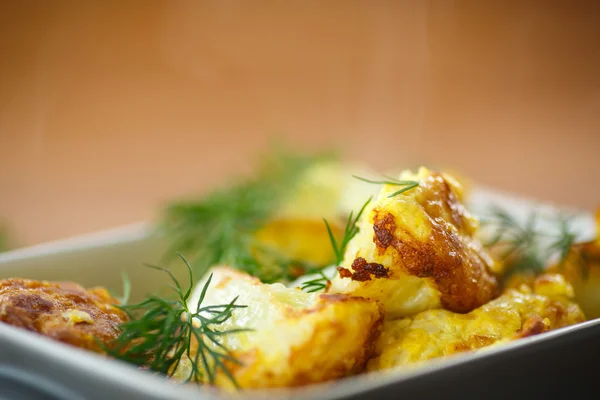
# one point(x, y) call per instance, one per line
point(109, 108)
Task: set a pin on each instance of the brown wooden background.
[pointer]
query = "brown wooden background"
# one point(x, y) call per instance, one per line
point(108, 108)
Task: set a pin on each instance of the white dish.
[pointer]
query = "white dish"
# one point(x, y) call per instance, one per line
point(99, 258)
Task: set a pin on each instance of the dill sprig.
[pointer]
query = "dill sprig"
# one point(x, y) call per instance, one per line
point(321, 282)
point(124, 299)
point(316, 284)
point(161, 333)
point(220, 228)
point(408, 185)
point(564, 241)
point(522, 246)
point(339, 249)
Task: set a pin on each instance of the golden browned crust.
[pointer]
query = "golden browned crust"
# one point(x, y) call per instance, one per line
point(374, 327)
point(324, 332)
point(532, 326)
point(363, 271)
point(341, 367)
point(293, 338)
point(451, 257)
point(559, 311)
point(473, 342)
point(520, 312)
point(63, 311)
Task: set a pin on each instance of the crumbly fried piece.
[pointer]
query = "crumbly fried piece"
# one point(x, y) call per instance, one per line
point(297, 338)
point(425, 238)
point(517, 313)
point(63, 311)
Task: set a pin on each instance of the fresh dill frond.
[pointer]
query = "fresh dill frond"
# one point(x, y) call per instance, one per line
point(350, 231)
point(317, 284)
point(408, 185)
point(522, 247)
point(162, 333)
point(563, 243)
point(124, 299)
point(220, 227)
point(339, 249)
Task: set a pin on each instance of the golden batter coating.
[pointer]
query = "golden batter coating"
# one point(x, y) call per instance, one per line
point(519, 312)
point(63, 311)
point(295, 338)
point(425, 239)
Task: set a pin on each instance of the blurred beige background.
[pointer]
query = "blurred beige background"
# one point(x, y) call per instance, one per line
point(109, 108)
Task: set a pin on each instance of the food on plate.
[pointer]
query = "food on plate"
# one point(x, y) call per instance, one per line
point(525, 248)
point(307, 274)
point(63, 311)
point(417, 250)
point(291, 337)
point(271, 223)
point(248, 224)
point(517, 313)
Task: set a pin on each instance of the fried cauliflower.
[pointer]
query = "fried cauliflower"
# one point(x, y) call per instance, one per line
point(63, 311)
point(296, 231)
point(417, 250)
point(305, 241)
point(517, 313)
point(296, 338)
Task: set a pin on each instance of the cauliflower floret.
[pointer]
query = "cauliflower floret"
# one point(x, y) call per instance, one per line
point(417, 250)
point(326, 190)
point(296, 338)
point(517, 313)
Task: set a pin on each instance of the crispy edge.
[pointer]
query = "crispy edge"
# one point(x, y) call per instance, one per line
point(465, 283)
point(40, 306)
point(340, 369)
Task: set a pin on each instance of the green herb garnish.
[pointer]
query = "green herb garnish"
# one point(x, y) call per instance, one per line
point(408, 185)
point(321, 282)
point(317, 284)
point(161, 333)
point(339, 249)
point(220, 228)
point(523, 247)
point(564, 241)
point(124, 299)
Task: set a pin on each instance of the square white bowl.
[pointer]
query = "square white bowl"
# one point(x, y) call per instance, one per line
point(29, 361)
